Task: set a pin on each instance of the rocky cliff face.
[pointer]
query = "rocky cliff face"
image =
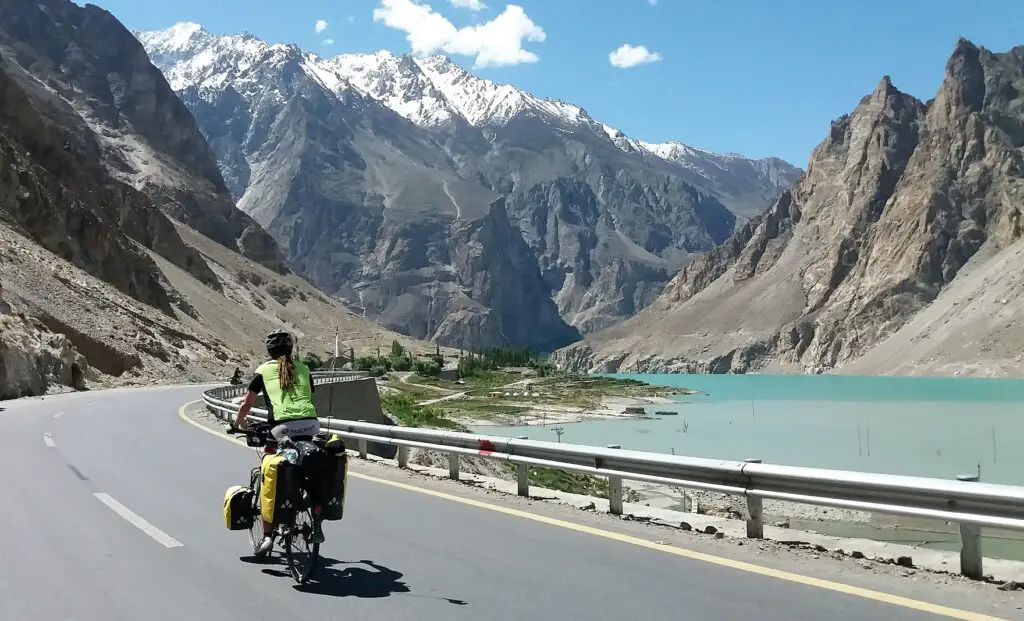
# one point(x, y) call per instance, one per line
point(34, 360)
point(91, 267)
point(50, 189)
point(368, 168)
point(88, 79)
point(901, 200)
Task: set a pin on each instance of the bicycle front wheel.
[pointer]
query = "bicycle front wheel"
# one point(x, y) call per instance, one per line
point(301, 552)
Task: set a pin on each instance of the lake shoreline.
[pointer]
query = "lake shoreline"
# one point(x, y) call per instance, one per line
point(543, 414)
point(927, 427)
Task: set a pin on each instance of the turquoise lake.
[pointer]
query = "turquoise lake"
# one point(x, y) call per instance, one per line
point(938, 427)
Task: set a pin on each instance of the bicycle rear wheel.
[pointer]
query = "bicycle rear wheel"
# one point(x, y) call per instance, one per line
point(301, 552)
point(256, 530)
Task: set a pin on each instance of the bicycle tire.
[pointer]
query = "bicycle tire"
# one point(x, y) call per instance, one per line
point(256, 530)
point(300, 576)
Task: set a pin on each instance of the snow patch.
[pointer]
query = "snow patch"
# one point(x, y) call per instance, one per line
point(429, 91)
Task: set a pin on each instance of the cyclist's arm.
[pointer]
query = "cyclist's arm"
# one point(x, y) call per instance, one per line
point(255, 387)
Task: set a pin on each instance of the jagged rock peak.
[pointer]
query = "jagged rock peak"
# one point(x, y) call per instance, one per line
point(909, 222)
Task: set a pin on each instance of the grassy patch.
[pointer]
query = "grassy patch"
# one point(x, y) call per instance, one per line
point(579, 391)
point(587, 391)
point(483, 409)
point(427, 380)
point(483, 381)
point(606, 386)
point(419, 392)
point(569, 482)
point(407, 412)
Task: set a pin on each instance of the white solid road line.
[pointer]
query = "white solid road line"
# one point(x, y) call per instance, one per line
point(48, 441)
point(138, 522)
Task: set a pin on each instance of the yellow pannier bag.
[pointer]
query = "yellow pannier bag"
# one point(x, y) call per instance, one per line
point(279, 490)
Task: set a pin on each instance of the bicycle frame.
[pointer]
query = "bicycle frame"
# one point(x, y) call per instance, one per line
point(258, 437)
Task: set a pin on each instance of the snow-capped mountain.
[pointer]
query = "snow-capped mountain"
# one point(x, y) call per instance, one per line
point(378, 173)
point(432, 92)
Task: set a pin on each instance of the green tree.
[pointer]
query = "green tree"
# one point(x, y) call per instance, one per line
point(313, 361)
point(365, 363)
point(427, 368)
point(397, 351)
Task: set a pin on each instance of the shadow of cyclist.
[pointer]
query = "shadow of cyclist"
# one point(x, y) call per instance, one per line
point(370, 582)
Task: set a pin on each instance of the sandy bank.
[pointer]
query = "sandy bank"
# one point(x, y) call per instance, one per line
point(541, 414)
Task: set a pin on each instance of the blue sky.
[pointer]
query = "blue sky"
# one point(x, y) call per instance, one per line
point(756, 77)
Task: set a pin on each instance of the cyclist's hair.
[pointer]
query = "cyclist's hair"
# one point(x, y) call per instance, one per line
point(286, 372)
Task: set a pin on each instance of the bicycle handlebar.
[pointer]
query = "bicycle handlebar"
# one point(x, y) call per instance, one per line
point(253, 428)
point(261, 430)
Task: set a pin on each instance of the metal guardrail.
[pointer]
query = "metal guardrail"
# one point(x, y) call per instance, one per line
point(224, 393)
point(965, 501)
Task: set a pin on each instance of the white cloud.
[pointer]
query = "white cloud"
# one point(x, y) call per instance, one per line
point(652, 2)
point(320, 25)
point(632, 55)
point(351, 19)
point(496, 43)
point(328, 41)
point(472, 5)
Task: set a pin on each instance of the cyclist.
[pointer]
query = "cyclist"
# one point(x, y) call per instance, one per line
point(288, 391)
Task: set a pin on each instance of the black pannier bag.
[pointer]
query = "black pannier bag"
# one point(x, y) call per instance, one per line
point(238, 508)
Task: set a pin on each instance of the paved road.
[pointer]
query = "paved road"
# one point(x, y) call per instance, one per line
point(68, 462)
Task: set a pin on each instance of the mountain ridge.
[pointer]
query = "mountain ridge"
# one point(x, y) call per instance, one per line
point(122, 257)
point(339, 158)
point(454, 91)
point(900, 210)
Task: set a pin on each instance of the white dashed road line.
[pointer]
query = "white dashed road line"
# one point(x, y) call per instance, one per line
point(58, 414)
point(138, 522)
point(48, 441)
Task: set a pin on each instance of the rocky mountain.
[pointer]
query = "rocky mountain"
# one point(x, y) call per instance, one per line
point(897, 250)
point(136, 129)
point(121, 251)
point(446, 206)
point(33, 359)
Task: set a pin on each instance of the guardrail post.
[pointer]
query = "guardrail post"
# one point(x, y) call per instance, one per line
point(755, 512)
point(453, 466)
point(403, 456)
point(970, 542)
point(615, 490)
point(363, 448)
point(523, 475)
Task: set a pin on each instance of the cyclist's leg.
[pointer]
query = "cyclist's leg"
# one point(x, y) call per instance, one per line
point(303, 428)
point(279, 432)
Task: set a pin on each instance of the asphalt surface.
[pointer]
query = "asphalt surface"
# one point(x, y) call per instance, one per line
point(68, 461)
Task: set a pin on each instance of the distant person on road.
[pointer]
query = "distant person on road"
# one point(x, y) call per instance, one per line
point(288, 390)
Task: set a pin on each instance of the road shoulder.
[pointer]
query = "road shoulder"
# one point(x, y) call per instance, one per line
point(795, 558)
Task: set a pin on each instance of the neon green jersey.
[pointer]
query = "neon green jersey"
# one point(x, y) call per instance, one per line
point(292, 405)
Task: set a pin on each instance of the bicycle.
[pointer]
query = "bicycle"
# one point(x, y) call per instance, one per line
point(257, 435)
